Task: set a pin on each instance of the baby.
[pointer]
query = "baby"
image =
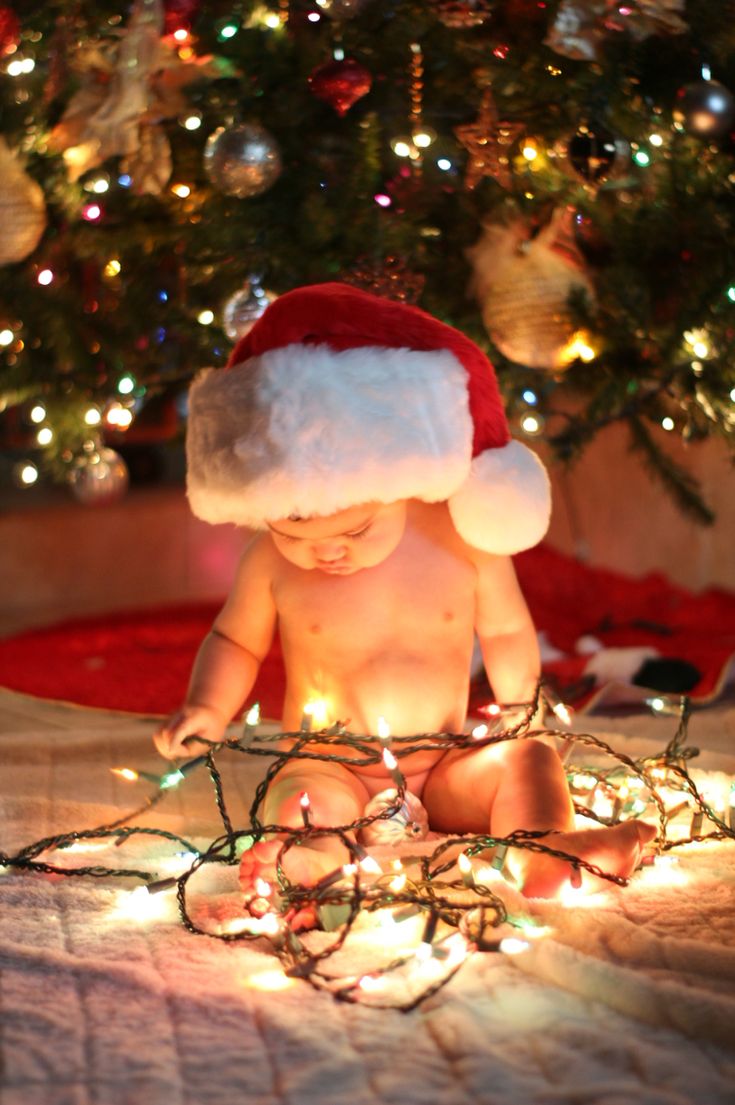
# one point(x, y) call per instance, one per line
point(377, 597)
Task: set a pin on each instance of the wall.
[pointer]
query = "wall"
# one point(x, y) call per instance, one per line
point(59, 559)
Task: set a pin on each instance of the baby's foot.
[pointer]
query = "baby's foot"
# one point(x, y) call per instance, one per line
point(301, 864)
point(615, 850)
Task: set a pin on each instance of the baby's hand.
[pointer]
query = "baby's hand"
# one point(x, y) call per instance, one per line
point(189, 721)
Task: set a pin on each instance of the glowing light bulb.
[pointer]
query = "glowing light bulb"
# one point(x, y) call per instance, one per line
point(382, 200)
point(561, 710)
point(263, 888)
point(423, 138)
point(655, 139)
point(45, 436)
point(91, 212)
point(92, 416)
point(38, 413)
point(206, 317)
point(182, 191)
point(45, 277)
point(270, 980)
point(480, 731)
point(641, 158)
point(401, 147)
point(530, 424)
point(513, 945)
point(383, 729)
point(126, 385)
point(6, 337)
point(530, 152)
point(667, 423)
point(192, 122)
point(444, 164)
point(272, 21)
point(181, 34)
point(465, 868)
point(27, 474)
point(113, 267)
point(125, 773)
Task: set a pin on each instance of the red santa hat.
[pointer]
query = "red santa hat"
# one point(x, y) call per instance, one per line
point(337, 397)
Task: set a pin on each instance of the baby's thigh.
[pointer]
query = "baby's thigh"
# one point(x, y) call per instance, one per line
point(461, 788)
point(337, 797)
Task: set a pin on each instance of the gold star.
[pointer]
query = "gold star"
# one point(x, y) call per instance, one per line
point(488, 141)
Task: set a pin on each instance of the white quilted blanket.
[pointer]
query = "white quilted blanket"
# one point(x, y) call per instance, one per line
point(630, 998)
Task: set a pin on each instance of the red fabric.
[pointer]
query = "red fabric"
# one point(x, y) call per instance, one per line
point(344, 317)
point(140, 661)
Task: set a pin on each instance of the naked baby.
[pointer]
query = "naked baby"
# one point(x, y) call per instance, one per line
point(366, 443)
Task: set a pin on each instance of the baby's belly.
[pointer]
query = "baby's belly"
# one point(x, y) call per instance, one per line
point(413, 696)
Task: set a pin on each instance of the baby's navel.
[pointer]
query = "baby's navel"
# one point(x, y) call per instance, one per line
point(315, 628)
point(448, 616)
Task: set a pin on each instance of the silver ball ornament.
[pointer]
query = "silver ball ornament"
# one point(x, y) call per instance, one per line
point(242, 161)
point(244, 308)
point(99, 476)
point(705, 108)
point(410, 822)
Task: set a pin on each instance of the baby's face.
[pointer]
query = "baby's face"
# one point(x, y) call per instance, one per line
point(342, 543)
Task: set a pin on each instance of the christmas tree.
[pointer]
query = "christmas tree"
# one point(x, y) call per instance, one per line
point(556, 179)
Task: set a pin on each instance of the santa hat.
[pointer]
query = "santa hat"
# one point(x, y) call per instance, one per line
point(337, 397)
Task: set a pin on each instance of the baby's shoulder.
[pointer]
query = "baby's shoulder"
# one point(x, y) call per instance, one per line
point(259, 557)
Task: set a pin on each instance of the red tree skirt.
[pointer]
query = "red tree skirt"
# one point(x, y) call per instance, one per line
point(140, 660)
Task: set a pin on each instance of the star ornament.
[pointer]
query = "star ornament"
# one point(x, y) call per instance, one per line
point(488, 142)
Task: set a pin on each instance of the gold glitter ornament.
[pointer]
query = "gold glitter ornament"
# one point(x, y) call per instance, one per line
point(22, 209)
point(488, 142)
point(523, 286)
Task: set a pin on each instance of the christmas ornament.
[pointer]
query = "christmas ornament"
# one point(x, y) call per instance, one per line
point(461, 15)
point(523, 287)
point(340, 83)
point(9, 31)
point(581, 27)
point(390, 278)
point(576, 32)
point(99, 476)
point(242, 161)
point(244, 308)
point(592, 152)
point(705, 108)
point(127, 88)
point(22, 209)
point(410, 822)
point(488, 142)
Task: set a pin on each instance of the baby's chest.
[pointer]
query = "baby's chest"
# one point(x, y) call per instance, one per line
point(405, 604)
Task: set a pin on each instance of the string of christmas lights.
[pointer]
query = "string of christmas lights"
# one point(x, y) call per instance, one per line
point(457, 914)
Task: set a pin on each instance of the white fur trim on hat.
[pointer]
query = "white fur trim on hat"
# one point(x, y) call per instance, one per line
point(505, 503)
point(308, 430)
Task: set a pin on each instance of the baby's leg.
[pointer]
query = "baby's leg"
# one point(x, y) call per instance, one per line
point(336, 797)
point(521, 784)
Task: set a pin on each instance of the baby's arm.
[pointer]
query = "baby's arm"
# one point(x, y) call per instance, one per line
point(506, 632)
point(229, 657)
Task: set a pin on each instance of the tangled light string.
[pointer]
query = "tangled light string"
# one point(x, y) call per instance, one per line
point(460, 915)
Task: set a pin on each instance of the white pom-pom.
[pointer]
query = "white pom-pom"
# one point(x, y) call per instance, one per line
point(410, 822)
point(504, 504)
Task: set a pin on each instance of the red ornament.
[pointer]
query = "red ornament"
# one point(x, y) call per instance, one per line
point(341, 83)
point(9, 31)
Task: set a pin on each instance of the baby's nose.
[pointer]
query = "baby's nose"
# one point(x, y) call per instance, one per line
point(329, 553)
